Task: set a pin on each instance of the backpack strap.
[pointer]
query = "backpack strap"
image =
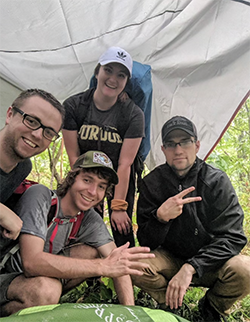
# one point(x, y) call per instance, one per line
point(11, 252)
point(76, 226)
point(75, 222)
point(58, 222)
point(126, 110)
point(83, 102)
point(54, 209)
point(24, 185)
point(125, 115)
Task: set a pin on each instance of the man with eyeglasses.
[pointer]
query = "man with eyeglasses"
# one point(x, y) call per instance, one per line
point(189, 215)
point(32, 122)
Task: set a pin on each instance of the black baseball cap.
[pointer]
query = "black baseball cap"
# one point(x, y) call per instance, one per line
point(178, 123)
point(96, 159)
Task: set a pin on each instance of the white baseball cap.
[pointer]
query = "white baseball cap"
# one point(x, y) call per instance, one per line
point(117, 55)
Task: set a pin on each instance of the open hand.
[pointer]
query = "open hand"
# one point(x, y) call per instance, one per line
point(125, 261)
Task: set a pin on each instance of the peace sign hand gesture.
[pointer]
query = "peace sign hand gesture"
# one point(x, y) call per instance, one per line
point(173, 206)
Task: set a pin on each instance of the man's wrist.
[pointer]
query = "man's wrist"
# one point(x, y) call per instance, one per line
point(155, 215)
point(188, 267)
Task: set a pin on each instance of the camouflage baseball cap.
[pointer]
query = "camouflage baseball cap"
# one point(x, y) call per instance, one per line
point(96, 159)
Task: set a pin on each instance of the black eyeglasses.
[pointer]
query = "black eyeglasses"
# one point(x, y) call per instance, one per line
point(32, 123)
point(170, 145)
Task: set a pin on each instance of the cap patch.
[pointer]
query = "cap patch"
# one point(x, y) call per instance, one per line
point(102, 159)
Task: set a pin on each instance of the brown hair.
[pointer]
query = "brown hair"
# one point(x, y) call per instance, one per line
point(19, 101)
point(69, 180)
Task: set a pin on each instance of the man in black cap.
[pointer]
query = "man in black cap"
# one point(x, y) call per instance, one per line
point(75, 246)
point(189, 215)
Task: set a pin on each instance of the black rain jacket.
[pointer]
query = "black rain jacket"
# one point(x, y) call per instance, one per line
point(208, 232)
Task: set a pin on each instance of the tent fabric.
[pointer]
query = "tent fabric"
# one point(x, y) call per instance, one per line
point(199, 53)
point(92, 312)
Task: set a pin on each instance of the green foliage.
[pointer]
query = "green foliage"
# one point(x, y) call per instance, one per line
point(92, 291)
point(232, 156)
point(50, 167)
point(102, 290)
point(194, 294)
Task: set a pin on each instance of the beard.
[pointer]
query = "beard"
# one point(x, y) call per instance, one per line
point(9, 146)
point(181, 172)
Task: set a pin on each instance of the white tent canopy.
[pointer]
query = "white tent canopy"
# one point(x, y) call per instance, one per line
point(199, 52)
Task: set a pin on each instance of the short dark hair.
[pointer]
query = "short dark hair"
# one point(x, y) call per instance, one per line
point(69, 180)
point(19, 101)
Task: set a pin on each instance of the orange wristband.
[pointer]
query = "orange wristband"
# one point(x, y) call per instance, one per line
point(119, 204)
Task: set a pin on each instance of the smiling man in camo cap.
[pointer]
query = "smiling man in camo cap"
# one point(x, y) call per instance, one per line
point(189, 215)
point(75, 246)
point(97, 159)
